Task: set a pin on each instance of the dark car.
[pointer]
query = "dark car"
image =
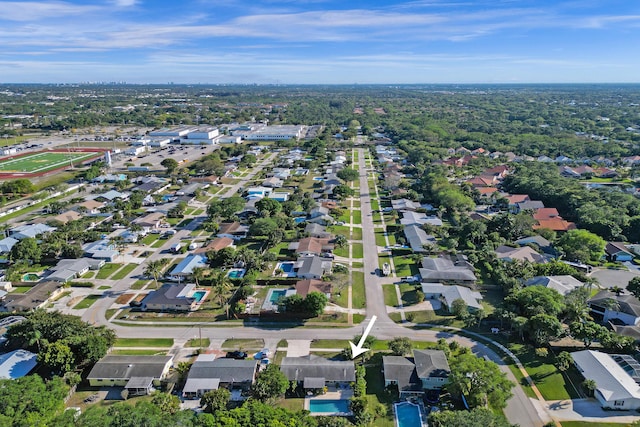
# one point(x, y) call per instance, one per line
point(237, 355)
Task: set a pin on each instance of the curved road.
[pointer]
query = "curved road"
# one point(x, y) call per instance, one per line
point(520, 409)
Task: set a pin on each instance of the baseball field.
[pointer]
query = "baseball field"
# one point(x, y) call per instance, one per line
point(37, 163)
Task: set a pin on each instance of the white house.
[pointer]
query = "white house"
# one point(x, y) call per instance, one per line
point(624, 308)
point(616, 388)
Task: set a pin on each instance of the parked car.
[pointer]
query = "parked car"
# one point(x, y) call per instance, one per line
point(263, 354)
point(237, 355)
point(409, 279)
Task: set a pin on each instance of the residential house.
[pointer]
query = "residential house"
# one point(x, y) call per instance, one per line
point(66, 217)
point(417, 238)
point(528, 205)
point(185, 268)
point(315, 230)
point(100, 249)
point(139, 375)
point(170, 297)
point(523, 253)
point(306, 286)
point(320, 215)
point(312, 267)
point(233, 230)
point(69, 269)
point(314, 372)
point(617, 251)
point(36, 297)
point(6, 244)
point(31, 230)
point(404, 205)
point(150, 221)
point(210, 373)
point(112, 195)
point(546, 213)
point(91, 207)
point(444, 269)
point(273, 182)
point(412, 217)
point(609, 306)
point(447, 294)
point(17, 364)
point(615, 376)
point(215, 245)
point(258, 192)
point(514, 199)
point(555, 224)
point(563, 284)
point(426, 370)
point(538, 241)
point(311, 246)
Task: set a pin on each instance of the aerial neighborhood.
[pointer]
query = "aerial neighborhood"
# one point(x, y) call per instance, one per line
point(378, 269)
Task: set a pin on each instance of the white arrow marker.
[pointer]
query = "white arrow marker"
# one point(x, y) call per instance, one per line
point(357, 350)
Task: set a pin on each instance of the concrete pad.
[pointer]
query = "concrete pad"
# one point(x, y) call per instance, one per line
point(588, 410)
point(298, 348)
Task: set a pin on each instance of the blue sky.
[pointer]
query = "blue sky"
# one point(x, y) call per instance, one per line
point(320, 41)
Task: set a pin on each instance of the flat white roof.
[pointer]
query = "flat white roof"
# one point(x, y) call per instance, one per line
point(613, 382)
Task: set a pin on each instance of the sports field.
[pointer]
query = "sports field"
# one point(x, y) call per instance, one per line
point(42, 162)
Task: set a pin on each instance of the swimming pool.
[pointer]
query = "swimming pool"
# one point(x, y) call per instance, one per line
point(318, 178)
point(408, 415)
point(236, 273)
point(328, 406)
point(199, 295)
point(286, 267)
point(276, 294)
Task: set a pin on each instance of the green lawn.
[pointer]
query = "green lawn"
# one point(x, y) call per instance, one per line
point(356, 234)
point(144, 342)
point(358, 298)
point(196, 342)
point(342, 252)
point(21, 289)
point(357, 217)
point(107, 270)
point(87, 302)
point(404, 266)
point(138, 352)
point(281, 250)
point(409, 294)
point(377, 393)
point(390, 296)
point(356, 264)
point(380, 239)
point(139, 284)
point(337, 344)
point(553, 385)
point(124, 271)
point(158, 243)
point(243, 344)
point(150, 238)
point(292, 404)
point(357, 250)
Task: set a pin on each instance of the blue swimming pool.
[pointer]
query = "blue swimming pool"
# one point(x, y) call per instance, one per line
point(286, 267)
point(276, 294)
point(328, 406)
point(236, 273)
point(408, 415)
point(199, 295)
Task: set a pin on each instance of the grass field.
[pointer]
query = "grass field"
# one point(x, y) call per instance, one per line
point(87, 302)
point(144, 342)
point(124, 271)
point(44, 161)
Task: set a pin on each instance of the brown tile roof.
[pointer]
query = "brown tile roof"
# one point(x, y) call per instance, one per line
point(215, 245)
point(304, 287)
point(555, 224)
point(546, 213)
point(91, 204)
point(313, 245)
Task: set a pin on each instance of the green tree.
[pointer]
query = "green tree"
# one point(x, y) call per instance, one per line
point(263, 227)
point(400, 346)
point(215, 400)
point(481, 381)
point(167, 403)
point(225, 208)
point(155, 268)
point(563, 361)
point(343, 191)
point(634, 286)
point(459, 308)
point(315, 302)
point(348, 174)
point(582, 245)
point(170, 164)
point(477, 417)
point(268, 207)
point(57, 357)
point(340, 241)
point(220, 287)
point(534, 300)
point(270, 384)
point(543, 328)
point(26, 249)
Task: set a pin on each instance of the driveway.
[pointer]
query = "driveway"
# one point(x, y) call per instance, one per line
point(588, 410)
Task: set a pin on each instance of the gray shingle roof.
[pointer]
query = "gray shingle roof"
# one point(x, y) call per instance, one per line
point(225, 370)
point(628, 303)
point(299, 368)
point(431, 363)
point(402, 370)
point(127, 367)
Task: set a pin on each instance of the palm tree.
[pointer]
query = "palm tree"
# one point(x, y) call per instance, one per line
point(154, 269)
point(220, 287)
point(198, 274)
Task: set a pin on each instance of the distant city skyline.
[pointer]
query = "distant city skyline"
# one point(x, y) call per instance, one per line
point(320, 41)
